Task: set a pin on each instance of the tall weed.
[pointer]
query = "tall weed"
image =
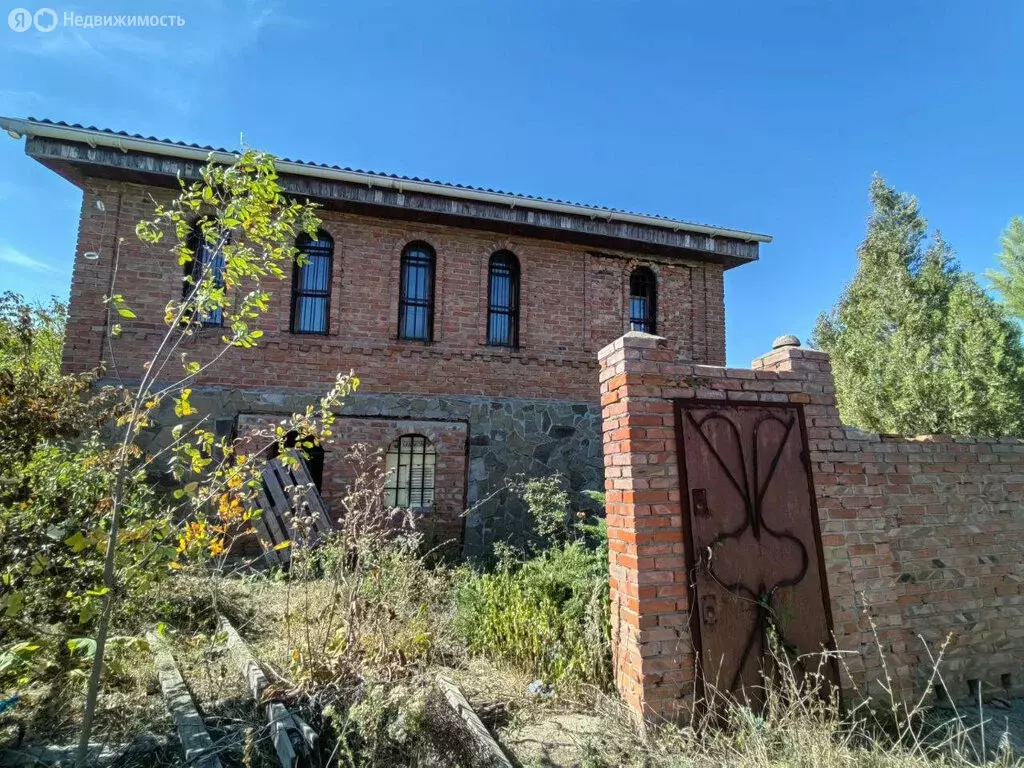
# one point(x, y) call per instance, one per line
point(547, 614)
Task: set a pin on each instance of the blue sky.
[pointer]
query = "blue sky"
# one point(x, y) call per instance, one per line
point(762, 116)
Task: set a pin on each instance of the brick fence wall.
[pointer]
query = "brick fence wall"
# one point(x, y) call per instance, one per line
point(922, 537)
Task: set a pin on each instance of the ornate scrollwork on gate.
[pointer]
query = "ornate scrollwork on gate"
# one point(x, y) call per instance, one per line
point(752, 490)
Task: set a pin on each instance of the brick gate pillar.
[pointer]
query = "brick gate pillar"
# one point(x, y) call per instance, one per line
point(640, 378)
point(653, 659)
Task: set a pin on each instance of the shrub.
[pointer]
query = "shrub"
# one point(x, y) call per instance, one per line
point(37, 402)
point(54, 534)
point(544, 608)
point(547, 614)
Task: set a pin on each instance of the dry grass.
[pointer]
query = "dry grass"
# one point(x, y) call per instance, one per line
point(577, 726)
point(801, 724)
point(129, 705)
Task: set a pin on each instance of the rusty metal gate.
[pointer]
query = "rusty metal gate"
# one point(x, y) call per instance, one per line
point(753, 545)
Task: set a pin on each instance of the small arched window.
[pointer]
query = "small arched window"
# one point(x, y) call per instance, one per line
point(503, 300)
point(207, 258)
point(416, 293)
point(410, 464)
point(311, 283)
point(643, 301)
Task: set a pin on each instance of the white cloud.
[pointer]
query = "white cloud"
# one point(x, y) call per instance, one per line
point(16, 258)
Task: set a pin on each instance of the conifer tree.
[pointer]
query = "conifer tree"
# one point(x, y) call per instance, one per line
point(1009, 278)
point(917, 346)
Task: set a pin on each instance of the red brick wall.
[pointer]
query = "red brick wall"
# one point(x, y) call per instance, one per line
point(921, 536)
point(573, 302)
point(443, 523)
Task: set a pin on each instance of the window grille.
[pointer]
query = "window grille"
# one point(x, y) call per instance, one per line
point(410, 463)
point(416, 297)
point(503, 300)
point(311, 284)
point(643, 301)
point(205, 258)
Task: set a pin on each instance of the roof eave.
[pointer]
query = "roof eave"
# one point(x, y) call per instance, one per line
point(17, 127)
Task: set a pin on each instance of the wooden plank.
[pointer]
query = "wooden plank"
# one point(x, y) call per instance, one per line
point(58, 755)
point(269, 553)
point(195, 739)
point(321, 519)
point(490, 749)
point(282, 505)
point(275, 523)
point(316, 502)
point(293, 738)
point(274, 487)
point(276, 532)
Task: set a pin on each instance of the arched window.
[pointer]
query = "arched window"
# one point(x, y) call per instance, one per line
point(416, 293)
point(410, 465)
point(206, 258)
point(643, 301)
point(311, 284)
point(503, 300)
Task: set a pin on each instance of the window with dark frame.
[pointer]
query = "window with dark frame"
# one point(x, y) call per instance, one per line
point(410, 463)
point(311, 284)
point(416, 293)
point(643, 301)
point(204, 257)
point(503, 300)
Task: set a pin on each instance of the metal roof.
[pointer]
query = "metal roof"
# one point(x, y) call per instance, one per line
point(94, 136)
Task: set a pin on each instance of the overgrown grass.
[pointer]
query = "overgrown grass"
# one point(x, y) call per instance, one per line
point(800, 721)
point(547, 615)
point(354, 635)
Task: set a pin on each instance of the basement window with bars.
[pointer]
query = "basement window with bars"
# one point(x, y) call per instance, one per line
point(311, 284)
point(206, 258)
point(643, 301)
point(503, 300)
point(416, 293)
point(410, 465)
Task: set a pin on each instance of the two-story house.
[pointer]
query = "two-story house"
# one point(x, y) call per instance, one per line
point(473, 317)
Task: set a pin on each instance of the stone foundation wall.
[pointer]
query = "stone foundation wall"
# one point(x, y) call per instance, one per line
point(506, 437)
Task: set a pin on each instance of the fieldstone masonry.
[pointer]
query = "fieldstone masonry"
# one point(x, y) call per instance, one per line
point(923, 537)
point(505, 437)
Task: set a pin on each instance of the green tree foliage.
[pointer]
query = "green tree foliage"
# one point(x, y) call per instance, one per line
point(248, 226)
point(1009, 278)
point(36, 401)
point(54, 531)
point(55, 480)
point(917, 346)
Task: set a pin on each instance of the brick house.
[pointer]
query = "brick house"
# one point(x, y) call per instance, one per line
point(473, 317)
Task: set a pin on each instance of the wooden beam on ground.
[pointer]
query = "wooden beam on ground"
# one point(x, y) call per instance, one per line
point(294, 740)
point(492, 752)
point(195, 739)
